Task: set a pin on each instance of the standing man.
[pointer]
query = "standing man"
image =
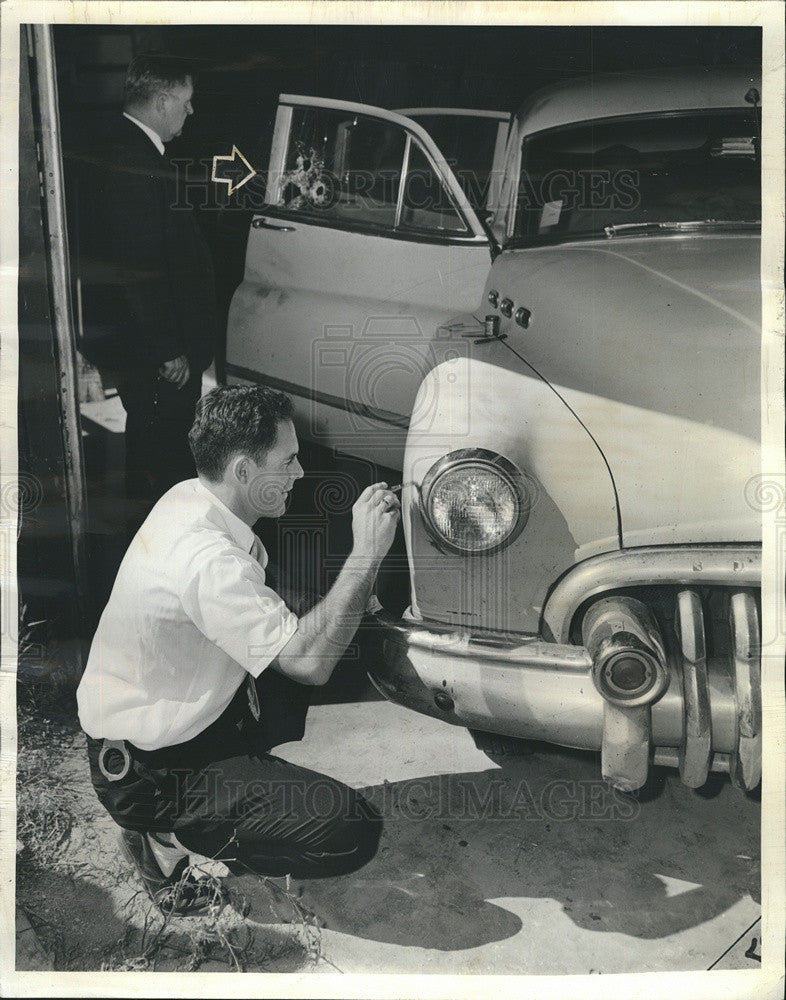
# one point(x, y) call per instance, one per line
point(198, 668)
point(148, 291)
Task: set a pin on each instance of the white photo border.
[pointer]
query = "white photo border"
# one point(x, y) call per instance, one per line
point(762, 983)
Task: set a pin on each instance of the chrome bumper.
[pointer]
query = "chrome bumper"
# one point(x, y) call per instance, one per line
point(538, 690)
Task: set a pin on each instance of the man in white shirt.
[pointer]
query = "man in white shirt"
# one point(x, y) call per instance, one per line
point(198, 667)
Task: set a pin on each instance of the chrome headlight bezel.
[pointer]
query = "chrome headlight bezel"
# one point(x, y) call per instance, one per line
point(469, 458)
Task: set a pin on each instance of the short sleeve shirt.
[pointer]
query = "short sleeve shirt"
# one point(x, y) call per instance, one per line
point(190, 617)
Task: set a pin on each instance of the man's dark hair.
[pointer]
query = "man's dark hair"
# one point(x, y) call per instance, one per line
point(234, 419)
point(151, 72)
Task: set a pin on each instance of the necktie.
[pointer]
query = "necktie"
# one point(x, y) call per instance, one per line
point(251, 689)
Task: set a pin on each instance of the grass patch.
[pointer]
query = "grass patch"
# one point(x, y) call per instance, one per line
point(46, 722)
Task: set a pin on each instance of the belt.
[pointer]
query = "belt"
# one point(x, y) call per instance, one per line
point(115, 757)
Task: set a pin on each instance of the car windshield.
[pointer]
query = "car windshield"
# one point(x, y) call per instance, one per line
point(619, 175)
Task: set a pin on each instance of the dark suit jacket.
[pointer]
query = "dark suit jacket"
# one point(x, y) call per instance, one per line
point(148, 290)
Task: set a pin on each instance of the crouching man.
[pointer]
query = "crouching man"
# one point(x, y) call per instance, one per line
point(198, 668)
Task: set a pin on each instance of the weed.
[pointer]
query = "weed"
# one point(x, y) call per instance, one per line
point(44, 802)
point(220, 935)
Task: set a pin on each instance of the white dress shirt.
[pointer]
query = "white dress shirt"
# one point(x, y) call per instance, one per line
point(189, 618)
point(151, 133)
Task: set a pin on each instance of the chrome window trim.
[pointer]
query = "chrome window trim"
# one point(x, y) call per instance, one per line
point(402, 183)
point(430, 236)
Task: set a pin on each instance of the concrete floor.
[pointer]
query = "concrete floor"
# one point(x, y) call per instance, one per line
point(554, 874)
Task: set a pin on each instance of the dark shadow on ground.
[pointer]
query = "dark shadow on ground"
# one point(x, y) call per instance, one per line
point(546, 827)
point(75, 920)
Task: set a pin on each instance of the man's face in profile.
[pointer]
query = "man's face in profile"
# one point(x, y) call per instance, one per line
point(177, 107)
point(272, 479)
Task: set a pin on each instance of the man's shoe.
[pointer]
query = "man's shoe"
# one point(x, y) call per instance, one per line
point(180, 895)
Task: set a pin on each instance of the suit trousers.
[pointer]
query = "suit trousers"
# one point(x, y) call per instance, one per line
point(226, 797)
point(158, 419)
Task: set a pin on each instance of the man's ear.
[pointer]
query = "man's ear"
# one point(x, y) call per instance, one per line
point(160, 103)
point(239, 469)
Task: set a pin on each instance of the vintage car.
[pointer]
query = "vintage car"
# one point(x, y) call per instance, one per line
point(579, 505)
point(582, 449)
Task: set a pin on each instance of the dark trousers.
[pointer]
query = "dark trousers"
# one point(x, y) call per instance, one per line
point(158, 419)
point(225, 796)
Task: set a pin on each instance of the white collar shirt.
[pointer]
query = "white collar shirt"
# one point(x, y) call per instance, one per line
point(190, 617)
point(154, 137)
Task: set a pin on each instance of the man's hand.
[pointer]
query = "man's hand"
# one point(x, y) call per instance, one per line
point(375, 517)
point(176, 371)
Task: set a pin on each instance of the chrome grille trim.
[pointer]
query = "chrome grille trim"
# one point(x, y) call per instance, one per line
point(695, 753)
point(745, 766)
point(681, 565)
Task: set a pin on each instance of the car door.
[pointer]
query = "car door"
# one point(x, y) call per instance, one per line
point(473, 143)
point(366, 246)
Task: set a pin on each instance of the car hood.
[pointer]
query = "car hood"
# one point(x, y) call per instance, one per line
point(654, 342)
point(671, 324)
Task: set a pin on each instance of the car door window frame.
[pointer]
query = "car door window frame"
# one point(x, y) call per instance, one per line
point(503, 119)
point(476, 233)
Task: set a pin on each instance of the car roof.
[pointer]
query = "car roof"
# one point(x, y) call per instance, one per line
point(642, 92)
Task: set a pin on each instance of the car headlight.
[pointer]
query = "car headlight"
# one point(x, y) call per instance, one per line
point(474, 501)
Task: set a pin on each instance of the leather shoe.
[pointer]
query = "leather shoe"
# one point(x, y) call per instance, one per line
point(180, 894)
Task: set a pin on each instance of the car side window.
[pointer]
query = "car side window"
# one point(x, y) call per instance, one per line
point(426, 204)
point(348, 169)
